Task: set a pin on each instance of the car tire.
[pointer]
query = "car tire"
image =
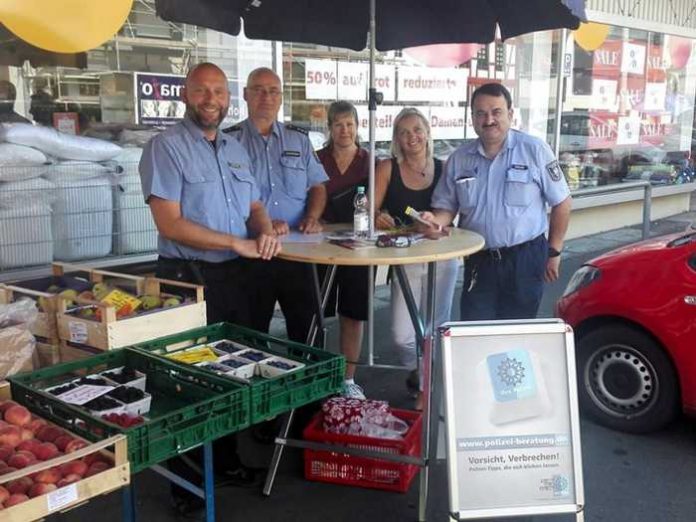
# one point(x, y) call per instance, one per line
point(626, 381)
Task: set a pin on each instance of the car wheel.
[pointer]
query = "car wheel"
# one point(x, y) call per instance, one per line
point(625, 380)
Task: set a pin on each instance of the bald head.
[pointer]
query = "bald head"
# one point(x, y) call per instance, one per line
point(263, 95)
point(261, 72)
point(207, 97)
point(202, 68)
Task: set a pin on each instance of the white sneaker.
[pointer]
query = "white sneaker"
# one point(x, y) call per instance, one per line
point(352, 391)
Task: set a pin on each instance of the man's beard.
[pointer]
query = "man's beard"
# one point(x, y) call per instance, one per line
point(195, 117)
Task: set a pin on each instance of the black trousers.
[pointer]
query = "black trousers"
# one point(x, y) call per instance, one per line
point(288, 283)
point(227, 299)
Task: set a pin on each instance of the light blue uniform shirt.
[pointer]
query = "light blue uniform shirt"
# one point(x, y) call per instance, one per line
point(284, 166)
point(215, 188)
point(503, 199)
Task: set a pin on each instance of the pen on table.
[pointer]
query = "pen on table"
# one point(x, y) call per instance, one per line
point(413, 213)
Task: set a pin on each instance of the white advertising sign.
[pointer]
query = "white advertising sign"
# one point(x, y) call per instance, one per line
point(603, 95)
point(655, 94)
point(432, 84)
point(353, 80)
point(513, 432)
point(447, 122)
point(633, 58)
point(384, 121)
point(628, 132)
point(385, 81)
point(321, 80)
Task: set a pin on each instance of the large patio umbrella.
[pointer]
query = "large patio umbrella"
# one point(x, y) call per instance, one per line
point(390, 24)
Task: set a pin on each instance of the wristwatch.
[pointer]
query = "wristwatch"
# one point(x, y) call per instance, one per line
point(553, 252)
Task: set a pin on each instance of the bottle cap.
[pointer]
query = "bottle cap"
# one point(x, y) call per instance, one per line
point(361, 190)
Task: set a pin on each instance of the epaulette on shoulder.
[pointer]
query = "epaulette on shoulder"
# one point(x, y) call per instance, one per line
point(233, 128)
point(297, 128)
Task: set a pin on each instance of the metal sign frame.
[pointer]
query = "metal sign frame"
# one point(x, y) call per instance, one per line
point(449, 333)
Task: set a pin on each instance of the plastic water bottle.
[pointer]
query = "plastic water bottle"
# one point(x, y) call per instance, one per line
point(361, 214)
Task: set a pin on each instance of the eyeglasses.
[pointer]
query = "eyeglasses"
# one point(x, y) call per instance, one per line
point(260, 91)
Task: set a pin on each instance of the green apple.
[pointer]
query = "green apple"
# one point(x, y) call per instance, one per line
point(171, 302)
point(148, 302)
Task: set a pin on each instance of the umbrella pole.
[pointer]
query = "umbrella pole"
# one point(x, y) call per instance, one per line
point(372, 106)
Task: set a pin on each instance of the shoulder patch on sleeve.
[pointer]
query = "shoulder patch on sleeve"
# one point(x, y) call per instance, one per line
point(290, 126)
point(554, 170)
point(233, 128)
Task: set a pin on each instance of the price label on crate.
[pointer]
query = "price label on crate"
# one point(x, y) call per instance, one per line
point(195, 356)
point(61, 497)
point(84, 393)
point(78, 332)
point(122, 301)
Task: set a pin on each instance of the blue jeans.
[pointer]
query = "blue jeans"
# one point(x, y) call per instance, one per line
point(504, 285)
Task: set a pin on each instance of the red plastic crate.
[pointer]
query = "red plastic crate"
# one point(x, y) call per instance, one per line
point(339, 468)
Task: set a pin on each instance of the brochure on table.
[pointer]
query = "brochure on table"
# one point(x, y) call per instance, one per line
point(513, 433)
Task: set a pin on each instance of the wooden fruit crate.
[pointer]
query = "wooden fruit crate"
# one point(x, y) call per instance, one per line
point(77, 493)
point(47, 353)
point(110, 331)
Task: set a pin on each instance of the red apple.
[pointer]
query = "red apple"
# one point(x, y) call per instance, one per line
point(74, 467)
point(48, 476)
point(11, 435)
point(20, 485)
point(16, 498)
point(29, 445)
point(17, 415)
point(62, 441)
point(97, 467)
point(36, 424)
point(94, 457)
point(46, 451)
point(20, 460)
point(4, 405)
point(75, 445)
point(69, 479)
point(41, 489)
point(5, 451)
point(49, 433)
point(7, 470)
point(4, 494)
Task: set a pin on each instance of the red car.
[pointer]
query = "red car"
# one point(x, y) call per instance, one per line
point(634, 315)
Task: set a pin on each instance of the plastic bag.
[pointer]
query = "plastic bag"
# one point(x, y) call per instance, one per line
point(389, 427)
point(17, 344)
point(22, 312)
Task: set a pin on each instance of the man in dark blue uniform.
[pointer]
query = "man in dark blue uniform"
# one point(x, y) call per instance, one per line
point(291, 180)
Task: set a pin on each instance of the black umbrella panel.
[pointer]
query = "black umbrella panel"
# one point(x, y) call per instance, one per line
point(400, 23)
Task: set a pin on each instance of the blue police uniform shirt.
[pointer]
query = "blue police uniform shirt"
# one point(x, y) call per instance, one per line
point(214, 187)
point(284, 165)
point(503, 199)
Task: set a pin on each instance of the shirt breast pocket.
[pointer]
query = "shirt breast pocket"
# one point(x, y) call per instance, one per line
point(242, 183)
point(294, 176)
point(199, 190)
point(466, 188)
point(519, 188)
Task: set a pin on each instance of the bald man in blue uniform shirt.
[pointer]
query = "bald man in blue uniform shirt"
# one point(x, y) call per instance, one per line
point(500, 185)
point(206, 206)
point(291, 181)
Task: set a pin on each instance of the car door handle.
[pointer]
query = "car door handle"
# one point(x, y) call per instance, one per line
point(690, 299)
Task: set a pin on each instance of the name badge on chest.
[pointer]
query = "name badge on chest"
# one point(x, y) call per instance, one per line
point(291, 154)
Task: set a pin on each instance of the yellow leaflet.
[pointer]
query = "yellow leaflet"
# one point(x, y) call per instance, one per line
point(195, 356)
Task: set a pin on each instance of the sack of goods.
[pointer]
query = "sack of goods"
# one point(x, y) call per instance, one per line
point(82, 220)
point(134, 228)
point(58, 144)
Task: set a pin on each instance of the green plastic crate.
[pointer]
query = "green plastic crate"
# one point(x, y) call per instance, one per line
point(189, 406)
point(321, 376)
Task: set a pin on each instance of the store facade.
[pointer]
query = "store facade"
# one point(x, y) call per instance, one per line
point(615, 102)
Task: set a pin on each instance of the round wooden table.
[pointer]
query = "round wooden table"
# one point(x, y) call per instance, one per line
point(460, 243)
